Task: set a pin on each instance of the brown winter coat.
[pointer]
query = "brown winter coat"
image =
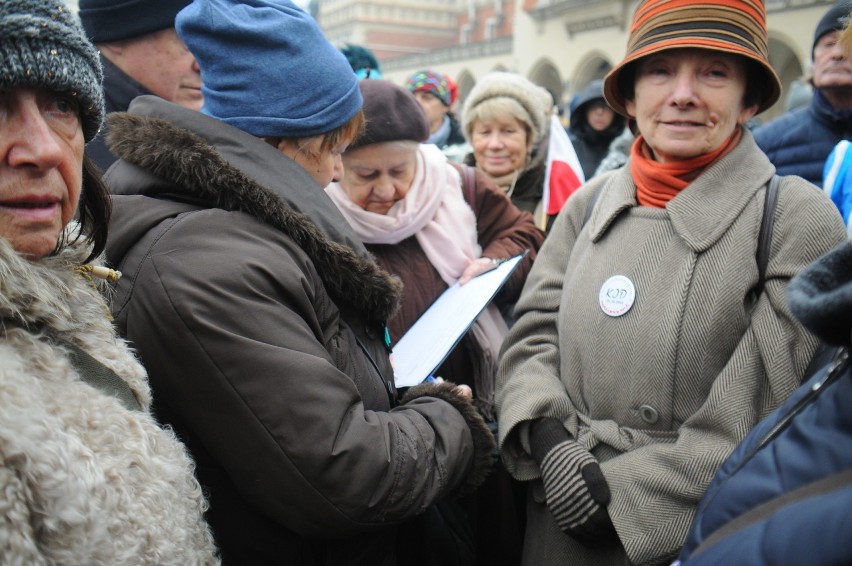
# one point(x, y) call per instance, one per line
point(262, 333)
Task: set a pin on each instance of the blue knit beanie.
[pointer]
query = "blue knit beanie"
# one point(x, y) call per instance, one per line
point(267, 68)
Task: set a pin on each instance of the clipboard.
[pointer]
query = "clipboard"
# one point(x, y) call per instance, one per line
point(431, 339)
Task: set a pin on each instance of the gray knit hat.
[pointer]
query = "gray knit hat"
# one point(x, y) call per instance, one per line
point(535, 100)
point(43, 46)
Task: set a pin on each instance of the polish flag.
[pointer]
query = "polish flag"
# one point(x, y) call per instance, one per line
point(563, 175)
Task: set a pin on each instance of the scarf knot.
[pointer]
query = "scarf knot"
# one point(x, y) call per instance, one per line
point(657, 183)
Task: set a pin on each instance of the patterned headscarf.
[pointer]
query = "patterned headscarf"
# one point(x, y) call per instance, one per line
point(431, 82)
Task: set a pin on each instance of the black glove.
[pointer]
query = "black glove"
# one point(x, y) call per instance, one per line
point(576, 490)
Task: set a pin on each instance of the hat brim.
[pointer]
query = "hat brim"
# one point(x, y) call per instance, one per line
point(616, 100)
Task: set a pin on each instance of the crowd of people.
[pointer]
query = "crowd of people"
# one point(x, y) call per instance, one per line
point(210, 246)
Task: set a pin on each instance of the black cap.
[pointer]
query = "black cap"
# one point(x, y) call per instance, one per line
point(114, 20)
point(833, 20)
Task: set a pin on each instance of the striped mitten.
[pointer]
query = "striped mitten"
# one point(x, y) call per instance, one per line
point(576, 490)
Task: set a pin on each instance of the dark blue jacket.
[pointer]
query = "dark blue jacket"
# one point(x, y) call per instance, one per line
point(799, 142)
point(785, 495)
point(119, 91)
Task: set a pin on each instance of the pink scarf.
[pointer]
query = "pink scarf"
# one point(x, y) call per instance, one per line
point(433, 211)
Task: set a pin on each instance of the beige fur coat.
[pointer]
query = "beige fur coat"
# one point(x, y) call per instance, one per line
point(82, 479)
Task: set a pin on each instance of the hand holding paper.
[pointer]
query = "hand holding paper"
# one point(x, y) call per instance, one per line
point(428, 342)
point(478, 267)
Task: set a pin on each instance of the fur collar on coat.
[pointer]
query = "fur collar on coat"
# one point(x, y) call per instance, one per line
point(51, 298)
point(193, 154)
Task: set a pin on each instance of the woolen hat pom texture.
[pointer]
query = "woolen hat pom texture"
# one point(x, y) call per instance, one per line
point(535, 100)
point(268, 69)
point(114, 20)
point(730, 26)
point(392, 114)
point(43, 46)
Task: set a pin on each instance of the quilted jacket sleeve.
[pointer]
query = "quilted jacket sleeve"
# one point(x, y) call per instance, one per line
point(242, 341)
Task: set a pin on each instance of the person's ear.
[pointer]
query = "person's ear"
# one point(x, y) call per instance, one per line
point(747, 114)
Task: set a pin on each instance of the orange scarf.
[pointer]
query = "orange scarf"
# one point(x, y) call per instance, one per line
point(657, 183)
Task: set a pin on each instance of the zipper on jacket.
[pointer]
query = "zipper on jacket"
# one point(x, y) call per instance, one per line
point(388, 388)
point(835, 370)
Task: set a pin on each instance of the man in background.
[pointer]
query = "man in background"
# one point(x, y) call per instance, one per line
point(141, 53)
point(799, 142)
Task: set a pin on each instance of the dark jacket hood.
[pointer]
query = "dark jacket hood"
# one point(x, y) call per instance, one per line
point(184, 160)
point(592, 91)
point(579, 125)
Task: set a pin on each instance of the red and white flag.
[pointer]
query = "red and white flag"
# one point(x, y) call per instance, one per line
point(563, 175)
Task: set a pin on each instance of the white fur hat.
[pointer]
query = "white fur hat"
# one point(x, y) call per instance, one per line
point(535, 100)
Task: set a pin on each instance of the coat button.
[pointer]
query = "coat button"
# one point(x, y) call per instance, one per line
point(649, 414)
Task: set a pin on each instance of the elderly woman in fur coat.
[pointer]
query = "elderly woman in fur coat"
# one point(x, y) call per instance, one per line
point(86, 474)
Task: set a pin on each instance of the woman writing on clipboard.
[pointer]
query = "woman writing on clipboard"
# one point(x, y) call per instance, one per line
point(433, 223)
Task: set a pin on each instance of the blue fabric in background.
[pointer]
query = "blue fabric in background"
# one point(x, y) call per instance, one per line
point(837, 179)
point(258, 58)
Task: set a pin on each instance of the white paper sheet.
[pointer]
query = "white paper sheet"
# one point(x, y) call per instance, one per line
point(428, 342)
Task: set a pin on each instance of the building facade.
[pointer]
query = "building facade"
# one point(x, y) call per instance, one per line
point(558, 44)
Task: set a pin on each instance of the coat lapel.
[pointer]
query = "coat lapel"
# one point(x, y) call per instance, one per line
point(704, 210)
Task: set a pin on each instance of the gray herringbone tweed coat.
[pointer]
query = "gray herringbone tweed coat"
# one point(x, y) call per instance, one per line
point(663, 393)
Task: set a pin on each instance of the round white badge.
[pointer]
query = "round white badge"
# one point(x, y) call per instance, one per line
point(617, 295)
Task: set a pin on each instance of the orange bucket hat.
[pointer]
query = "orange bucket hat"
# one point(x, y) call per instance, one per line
point(731, 26)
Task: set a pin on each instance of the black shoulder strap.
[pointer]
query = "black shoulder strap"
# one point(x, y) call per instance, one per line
point(96, 374)
point(764, 238)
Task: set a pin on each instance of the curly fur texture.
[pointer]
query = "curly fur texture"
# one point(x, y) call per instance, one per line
point(82, 479)
point(483, 439)
point(186, 160)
